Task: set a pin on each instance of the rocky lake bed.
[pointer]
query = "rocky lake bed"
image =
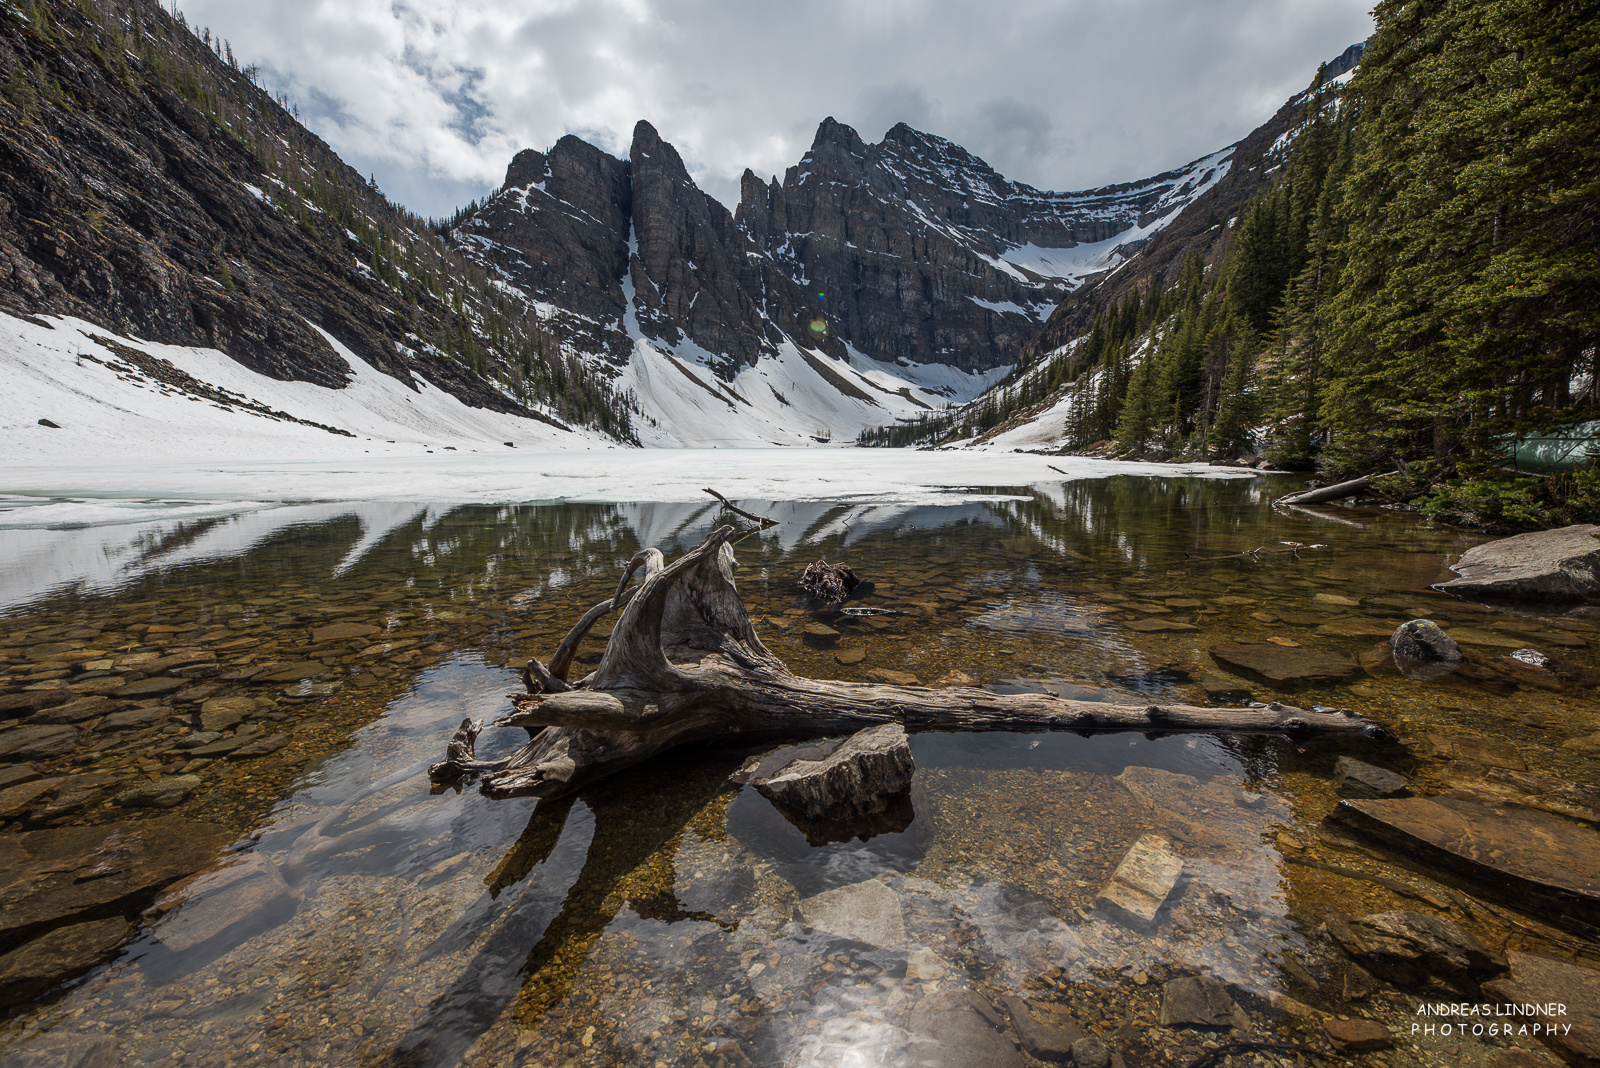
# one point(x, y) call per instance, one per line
point(220, 846)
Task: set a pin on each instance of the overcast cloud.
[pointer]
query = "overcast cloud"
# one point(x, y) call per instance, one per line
point(435, 96)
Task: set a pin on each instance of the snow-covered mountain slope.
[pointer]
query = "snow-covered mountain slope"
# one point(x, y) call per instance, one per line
point(124, 399)
point(794, 396)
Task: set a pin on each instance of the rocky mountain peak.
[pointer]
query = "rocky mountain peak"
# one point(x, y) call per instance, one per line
point(923, 253)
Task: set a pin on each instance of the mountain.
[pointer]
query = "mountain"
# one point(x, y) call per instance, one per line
point(156, 197)
point(910, 251)
point(927, 255)
point(1029, 407)
point(148, 186)
point(875, 283)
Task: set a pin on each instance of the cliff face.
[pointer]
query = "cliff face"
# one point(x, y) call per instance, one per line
point(151, 187)
point(913, 250)
point(927, 255)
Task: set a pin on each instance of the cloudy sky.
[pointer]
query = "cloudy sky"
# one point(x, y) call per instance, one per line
point(435, 96)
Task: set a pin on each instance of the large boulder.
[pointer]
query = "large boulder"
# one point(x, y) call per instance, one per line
point(1283, 666)
point(1547, 565)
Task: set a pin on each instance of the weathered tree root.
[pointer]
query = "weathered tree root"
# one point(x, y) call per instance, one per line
point(684, 664)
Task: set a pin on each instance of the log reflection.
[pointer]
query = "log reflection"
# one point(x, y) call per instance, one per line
point(538, 945)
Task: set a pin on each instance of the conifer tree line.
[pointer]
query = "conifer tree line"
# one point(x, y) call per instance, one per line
point(455, 309)
point(1419, 288)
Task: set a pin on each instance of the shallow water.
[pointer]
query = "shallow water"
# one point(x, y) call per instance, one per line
point(669, 916)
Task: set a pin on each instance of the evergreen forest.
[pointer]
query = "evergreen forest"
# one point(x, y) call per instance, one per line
point(1416, 292)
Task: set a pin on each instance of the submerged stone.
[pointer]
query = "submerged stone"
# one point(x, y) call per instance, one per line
point(35, 967)
point(1044, 1032)
point(38, 742)
point(334, 632)
point(1284, 666)
point(1358, 1035)
point(867, 911)
point(1354, 778)
point(945, 1031)
point(72, 874)
point(1556, 987)
point(243, 896)
point(1411, 949)
point(1143, 880)
point(163, 793)
point(1196, 1001)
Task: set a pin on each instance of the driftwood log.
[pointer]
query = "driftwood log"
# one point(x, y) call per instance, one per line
point(1335, 492)
point(684, 664)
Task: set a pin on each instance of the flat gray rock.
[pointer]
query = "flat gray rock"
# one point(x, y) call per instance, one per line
point(244, 895)
point(1043, 1032)
point(1196, 1001)
point(38, 742)
point(945, 1031)
point(1284, 666)
point(29, 701)
point(1355, 778)
point(867, 911)
point(1560, 565)
point(1090, 1052)
point(163, 793)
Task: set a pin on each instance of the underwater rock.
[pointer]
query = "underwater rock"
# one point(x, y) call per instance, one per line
point(38, 742)
point(1354, 778)
point(71, 874)
point(1284, 666)
point(1143, 880)
point(244, 895)
point(1196, 1001)
point(1572, 990)
point(867, 911)
point(945, 1031)
point(163, 793)
point(52, 958)
point(1045, 1033)
point(1357, 1035)
point(1409, 949)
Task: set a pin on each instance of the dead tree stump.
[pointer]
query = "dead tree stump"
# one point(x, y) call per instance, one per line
point(684, 664)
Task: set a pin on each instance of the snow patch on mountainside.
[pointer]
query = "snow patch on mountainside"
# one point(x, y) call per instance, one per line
point(795, 397)
point(202, 404)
